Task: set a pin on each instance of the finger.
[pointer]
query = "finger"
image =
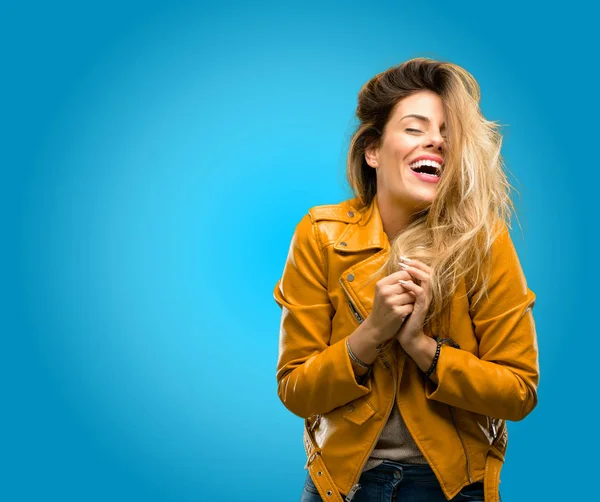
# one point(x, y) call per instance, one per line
point(418, 290)
point(401, 296)
point(400, 287)
point(394, 277)
point(404, 310)
point(405, 275)
point(416, 273)
point(404, 298)
point(417, 264)
point(393, 288)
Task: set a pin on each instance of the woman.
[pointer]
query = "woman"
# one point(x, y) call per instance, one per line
point(407, 338)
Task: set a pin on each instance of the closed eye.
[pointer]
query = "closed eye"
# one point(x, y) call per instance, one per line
point(412, 130)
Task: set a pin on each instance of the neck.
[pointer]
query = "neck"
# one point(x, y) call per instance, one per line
point(394, 216)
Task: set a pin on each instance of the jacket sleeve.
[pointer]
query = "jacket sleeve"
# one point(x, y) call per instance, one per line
point(313, 377)
point(502, 382)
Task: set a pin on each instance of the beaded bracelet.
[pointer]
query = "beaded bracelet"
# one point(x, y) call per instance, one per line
point(435, 359)
point(356, 359)
point(440, 341)
point(447, 341)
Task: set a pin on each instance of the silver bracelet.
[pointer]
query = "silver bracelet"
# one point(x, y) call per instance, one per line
point(356, 359)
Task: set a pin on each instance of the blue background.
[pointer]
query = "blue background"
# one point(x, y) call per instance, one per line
point(156, 157)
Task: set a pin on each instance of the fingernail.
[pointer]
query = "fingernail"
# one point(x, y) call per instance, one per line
point(403, 265)
point(404, 258)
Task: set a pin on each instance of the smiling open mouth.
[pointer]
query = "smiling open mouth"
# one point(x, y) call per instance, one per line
point(427, 167)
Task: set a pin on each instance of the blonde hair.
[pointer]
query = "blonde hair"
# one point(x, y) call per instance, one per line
point(455, 233)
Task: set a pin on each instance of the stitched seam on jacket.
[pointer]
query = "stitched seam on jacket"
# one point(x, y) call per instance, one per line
point(316, 233)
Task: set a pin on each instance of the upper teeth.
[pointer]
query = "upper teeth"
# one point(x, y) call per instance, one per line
point(427, 162)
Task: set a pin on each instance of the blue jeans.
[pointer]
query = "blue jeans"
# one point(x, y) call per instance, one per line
point(392, 481)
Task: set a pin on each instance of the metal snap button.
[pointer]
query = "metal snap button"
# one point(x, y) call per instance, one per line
point(350, 408)
point(329, 493)
point(350, 277)
point(319, 473)
point(397, 474)
point(343, 243)
point(351, 214)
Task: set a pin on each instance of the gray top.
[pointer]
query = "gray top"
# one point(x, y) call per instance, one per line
point(395, 443)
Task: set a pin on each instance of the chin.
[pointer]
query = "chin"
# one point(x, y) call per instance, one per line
point(418, 199)
point(427, 198)
point(423, 203)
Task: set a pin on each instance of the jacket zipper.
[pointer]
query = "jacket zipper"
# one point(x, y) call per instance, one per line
point(493, 430)
point(356, 485)
point(359, 318)
point(355, 313)
point(353, 307)
point(462, 443)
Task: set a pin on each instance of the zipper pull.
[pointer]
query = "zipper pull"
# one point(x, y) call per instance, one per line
point(355, 312)
point(494, 430)
point(352, 492)
point(315, 423)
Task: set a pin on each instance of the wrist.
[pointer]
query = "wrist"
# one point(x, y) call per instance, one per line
point(363, 366)
point(375, 335)
point(422, 350)
point(417, 343)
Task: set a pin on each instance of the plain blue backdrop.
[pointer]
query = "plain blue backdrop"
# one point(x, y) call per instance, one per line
point(156, 157)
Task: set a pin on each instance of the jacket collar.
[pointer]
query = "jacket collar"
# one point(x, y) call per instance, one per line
point(364, 233)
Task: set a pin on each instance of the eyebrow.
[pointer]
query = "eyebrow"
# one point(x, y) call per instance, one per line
point(421, 117)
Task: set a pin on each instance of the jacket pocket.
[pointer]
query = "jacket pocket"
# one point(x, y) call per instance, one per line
point(358, 412)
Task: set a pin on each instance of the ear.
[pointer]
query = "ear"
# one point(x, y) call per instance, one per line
point(371, 156)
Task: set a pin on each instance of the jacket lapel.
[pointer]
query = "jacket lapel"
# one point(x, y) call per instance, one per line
point(366, 235)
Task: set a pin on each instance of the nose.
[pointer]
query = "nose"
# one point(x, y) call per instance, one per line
point(434, 140)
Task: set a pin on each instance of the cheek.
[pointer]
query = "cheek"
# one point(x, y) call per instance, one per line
point(404, 147)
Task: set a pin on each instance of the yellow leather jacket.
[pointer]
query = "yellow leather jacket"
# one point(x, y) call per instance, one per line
point(326, 291)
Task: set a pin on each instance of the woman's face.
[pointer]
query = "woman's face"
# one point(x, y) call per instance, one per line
point(411, 152)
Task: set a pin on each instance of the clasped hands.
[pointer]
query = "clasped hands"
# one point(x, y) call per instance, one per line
point(401, 304)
